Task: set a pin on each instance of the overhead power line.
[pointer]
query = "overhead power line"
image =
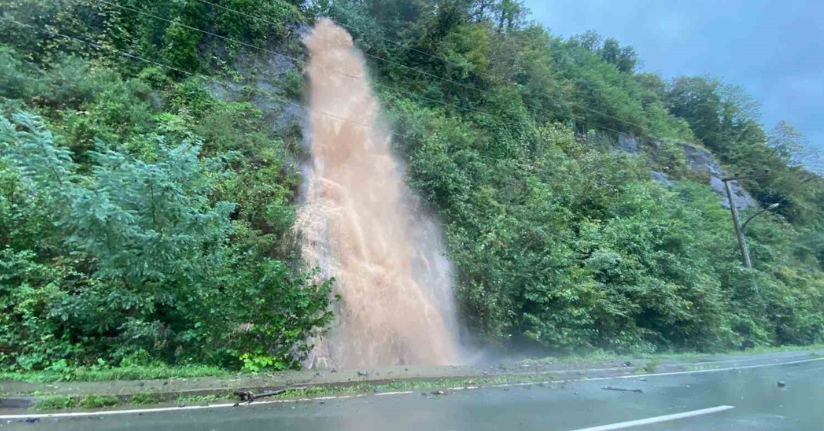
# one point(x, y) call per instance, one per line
point(394, 42)
point(485, 92)
point(304, 62)
point(273, 95)
point(376, 57)
point(269, 94)
point(280, 54)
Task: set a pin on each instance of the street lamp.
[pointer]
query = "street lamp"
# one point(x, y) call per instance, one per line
point(739, 229)
point(769, 208)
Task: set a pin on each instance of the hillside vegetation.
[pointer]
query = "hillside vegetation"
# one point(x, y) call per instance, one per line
point(146, 219)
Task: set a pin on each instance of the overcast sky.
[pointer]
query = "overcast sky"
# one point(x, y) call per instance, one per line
point(772, 48)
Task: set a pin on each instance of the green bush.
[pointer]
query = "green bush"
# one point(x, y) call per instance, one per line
point(152, 260)
point(144, 222)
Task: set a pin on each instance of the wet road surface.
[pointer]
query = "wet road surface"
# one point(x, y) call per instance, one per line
point(759, 404)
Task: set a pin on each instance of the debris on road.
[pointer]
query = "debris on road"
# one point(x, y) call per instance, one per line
point(438, 393)
point(627, 364)
point(610, 388)
point(249, 396)
point(363, 373)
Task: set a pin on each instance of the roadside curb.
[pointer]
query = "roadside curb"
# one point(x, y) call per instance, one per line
point(490, 376)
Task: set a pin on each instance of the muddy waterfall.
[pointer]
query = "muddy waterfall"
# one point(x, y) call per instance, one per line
point(360, 224)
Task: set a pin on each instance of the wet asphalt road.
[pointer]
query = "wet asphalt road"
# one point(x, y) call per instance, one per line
point(760, 404)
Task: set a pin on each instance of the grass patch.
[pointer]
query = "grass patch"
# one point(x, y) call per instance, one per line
point(143, 399)
point(405, 385)
point(95, 374)
point(603, 356)
point(97, 401)
point(410, 385)
point(62, 402)
point(780, 349)
point(57, 402)
point(649, 367)
point(194, 399)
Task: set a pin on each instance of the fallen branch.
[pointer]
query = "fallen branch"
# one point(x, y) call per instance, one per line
point(249, 396)
point(610, 388)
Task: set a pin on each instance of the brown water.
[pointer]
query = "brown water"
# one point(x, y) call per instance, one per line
point(360, 225)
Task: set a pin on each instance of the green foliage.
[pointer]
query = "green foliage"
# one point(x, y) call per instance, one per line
point(571, 247)
point(57, 402)
point(273, 19)
point(151, 260)
point(144, 222)
point(97, 373)
point(97, 401)
point(649, 367)
point(144, 399)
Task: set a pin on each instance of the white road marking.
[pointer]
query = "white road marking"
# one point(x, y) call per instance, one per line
point(747, 367)
point(171, 409)
point(505, 385)
point(636, 376)
point(658, 419)
point(676, 364)
point(395, 393)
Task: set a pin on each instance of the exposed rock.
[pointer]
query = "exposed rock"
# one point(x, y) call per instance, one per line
point(628, 143)
point(700, 160)
point(781, 383)
point(697, 160)
point(662, 178)
point(363, 373)
point(742, 198)
point(263, 74)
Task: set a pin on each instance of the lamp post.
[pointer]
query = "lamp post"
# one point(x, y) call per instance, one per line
point(739, 228)
point(739, 233)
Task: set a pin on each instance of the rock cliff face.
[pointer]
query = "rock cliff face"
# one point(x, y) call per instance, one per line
point(262, 82)
point(701, 160)
point(697, 160)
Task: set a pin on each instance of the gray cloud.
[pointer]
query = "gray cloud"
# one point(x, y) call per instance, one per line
point(773, 49)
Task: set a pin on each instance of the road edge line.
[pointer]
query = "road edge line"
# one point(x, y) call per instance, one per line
point(658, 419)
point(200, 407)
